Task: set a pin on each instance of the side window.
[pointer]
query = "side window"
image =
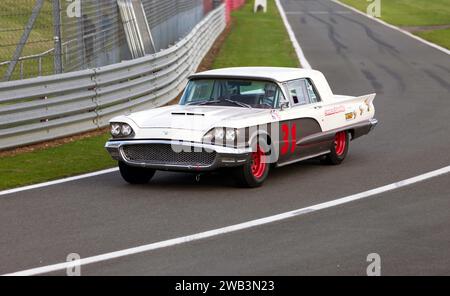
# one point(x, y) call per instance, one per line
point(297, 91)
point(312, 92)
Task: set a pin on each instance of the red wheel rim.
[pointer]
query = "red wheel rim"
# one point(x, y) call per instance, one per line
point(340, 141)
point(258, 163)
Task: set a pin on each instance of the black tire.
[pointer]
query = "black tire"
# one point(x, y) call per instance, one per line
point(247, 176)
point(338, 153)
point(135, 175)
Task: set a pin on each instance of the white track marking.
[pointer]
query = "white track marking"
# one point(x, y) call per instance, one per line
point(30, 187)
point(317, 12)
point(232, 228)
point(298, 50)
point(444, 50)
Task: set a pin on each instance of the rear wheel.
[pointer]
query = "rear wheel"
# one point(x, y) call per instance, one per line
point(135, 175)
point(255, 171)
point(339, 148)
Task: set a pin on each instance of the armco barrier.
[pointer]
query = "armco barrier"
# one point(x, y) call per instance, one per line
point(45, 108)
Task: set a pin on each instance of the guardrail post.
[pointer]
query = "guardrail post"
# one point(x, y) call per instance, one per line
point(95, 98)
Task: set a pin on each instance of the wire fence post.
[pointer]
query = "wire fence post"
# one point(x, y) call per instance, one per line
point(57, 36)
point(81, 38)
point(23, 40)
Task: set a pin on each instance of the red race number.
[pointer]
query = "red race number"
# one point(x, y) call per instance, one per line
point(288, 143)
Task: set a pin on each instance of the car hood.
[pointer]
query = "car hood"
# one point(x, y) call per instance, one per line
point(197, 117)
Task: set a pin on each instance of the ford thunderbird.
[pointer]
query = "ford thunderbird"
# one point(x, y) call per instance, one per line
point(244, 121)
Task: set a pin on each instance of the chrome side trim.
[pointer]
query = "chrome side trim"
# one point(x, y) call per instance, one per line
point(303, 158)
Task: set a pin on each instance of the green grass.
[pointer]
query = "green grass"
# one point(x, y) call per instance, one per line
point(70, 159)
point(414, 13)
point(254, 40)
point(410, 12)
point(441, 37)
point(257, 40)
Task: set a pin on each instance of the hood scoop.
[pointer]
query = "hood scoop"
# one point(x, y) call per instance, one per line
point(187, 114)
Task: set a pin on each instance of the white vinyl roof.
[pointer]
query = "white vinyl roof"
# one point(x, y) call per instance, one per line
point(273, 73)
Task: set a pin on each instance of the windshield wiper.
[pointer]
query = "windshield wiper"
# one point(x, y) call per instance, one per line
point(204, 102)
point(220, 101)
point(238, 103)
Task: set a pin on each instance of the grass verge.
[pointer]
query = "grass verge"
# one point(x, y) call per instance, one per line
point(83, 156)
point(254, 40)
point(257, 40)
point(414, 13)
point(441, 37)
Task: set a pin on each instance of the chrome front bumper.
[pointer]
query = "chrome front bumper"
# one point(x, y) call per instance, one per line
point(224, 156)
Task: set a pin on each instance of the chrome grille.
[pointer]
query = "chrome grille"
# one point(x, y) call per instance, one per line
point(165, 154)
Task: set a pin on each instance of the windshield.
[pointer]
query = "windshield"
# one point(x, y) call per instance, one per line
point(231, 92)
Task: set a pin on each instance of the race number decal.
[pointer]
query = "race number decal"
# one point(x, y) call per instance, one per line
point(289, 138)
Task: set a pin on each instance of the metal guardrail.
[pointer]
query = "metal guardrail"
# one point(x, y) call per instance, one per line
point(45, 108)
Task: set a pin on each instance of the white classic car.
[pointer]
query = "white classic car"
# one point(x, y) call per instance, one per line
point(245, 120)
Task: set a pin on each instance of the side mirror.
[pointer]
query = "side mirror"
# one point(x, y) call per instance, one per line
point(285, 105)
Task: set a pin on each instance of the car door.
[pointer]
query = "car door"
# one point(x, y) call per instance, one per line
point(303, 119)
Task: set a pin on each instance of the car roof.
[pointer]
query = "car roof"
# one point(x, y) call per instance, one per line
point(279, 74)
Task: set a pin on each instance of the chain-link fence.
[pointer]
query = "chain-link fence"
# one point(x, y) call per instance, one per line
point(36, 57)
point(42, 37)
point(92, 34)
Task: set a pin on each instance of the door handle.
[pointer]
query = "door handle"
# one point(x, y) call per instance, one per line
point(318, 107)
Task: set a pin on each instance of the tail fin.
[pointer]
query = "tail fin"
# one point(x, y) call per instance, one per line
point(368, 99)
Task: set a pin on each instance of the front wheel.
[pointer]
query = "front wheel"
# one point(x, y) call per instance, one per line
point(339, 148)
point(135, 175)
point(255, 171)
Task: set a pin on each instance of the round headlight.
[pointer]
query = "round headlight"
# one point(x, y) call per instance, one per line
point(231, 134)
point(218, 133)
point(115, 129)
point(208, 138)
point(126, 130)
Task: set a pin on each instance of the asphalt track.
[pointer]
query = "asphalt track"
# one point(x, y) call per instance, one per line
point(408, 227)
